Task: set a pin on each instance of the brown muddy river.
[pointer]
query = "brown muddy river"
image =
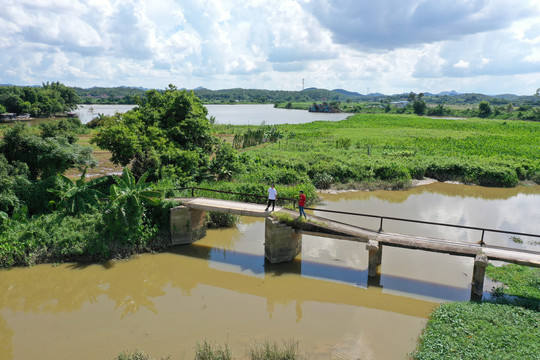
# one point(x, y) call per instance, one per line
point(220, 289)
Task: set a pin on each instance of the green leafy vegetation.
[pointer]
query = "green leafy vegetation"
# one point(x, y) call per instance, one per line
point(522, 282)
point(133, 220)
point(466, 330)
point(44, 153)
point(504, 327)
point(396, 148)
point(220, 220)
point(168, 134)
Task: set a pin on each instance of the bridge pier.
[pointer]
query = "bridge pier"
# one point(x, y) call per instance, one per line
point(375, 257)
point(187, 225)
point(479, 272)
point(281, 242)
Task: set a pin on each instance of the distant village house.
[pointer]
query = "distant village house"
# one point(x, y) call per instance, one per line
point(400, 104)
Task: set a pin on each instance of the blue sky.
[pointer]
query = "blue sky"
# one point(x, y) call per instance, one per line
point(387, 46)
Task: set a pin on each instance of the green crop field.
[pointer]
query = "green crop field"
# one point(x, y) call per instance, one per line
point(400, 147)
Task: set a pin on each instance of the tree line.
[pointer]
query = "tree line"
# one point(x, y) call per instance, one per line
point(128, 95)
point(46, 100)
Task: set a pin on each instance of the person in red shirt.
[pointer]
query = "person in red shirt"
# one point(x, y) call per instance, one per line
point(302, 203)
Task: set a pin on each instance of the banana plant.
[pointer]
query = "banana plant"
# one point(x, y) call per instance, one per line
point(76, 197)
point(128, 197)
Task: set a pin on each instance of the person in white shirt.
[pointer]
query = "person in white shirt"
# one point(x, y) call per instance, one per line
point(272, 195)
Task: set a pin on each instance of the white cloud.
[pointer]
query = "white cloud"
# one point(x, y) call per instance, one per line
point(388, 45)
point(461, 64)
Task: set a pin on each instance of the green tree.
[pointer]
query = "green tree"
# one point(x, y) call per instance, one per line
point(13, 178)
point(419, 105)
point(225, 163)
point(44, 157)
point(484, 109)
point(173, 123)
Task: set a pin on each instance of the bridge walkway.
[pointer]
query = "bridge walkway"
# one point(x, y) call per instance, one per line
point(320, 226)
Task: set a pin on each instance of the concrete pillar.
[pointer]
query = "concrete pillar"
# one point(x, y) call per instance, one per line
point(479, 272)
point(187, 225)
point(375, 257)
point(282, 243)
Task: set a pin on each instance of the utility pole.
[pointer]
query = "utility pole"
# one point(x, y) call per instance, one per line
point(302, 84)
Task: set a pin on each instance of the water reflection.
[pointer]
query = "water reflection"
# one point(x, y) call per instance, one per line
point(514, 209)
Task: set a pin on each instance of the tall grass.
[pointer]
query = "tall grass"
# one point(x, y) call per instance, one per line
point(212, 351)
point(207, 350)
point(287, 350)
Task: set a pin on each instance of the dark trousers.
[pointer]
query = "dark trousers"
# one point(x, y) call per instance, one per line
point(273, 202)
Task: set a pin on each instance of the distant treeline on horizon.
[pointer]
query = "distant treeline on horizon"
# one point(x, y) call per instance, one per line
point(130, 95)
point(127, 95)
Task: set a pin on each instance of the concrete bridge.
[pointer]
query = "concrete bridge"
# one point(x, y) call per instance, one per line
point(283, 236)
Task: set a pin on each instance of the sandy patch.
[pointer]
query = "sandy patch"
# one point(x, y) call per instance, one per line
point(425, 181)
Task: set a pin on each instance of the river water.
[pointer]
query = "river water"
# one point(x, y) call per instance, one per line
point(228, 114)
point(221, 289)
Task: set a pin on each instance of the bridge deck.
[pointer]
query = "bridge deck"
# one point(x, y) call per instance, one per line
point(329, 228)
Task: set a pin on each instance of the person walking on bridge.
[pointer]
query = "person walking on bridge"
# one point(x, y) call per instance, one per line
point(272, 195)
point(301, 204)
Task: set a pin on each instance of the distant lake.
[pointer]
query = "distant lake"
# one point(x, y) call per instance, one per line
point(267, 114)
point(89, 111)
point(228, 114)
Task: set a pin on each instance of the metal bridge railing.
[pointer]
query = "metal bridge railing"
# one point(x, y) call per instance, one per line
point(382, 218)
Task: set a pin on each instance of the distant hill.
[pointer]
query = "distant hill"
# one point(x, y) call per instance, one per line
point(348, 93)
point(449, 93)
point(126, 94)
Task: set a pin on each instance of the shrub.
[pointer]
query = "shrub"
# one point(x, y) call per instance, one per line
point(343, 143)
point(447, 170)
point(392, 172)
point(323, 180)
point(219, 219)
point(417, 171)
point(495, 176)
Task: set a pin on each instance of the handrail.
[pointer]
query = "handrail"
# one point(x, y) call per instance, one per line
point(382, 218)
point(424, 222)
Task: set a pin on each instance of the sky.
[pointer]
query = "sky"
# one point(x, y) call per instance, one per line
point(385, 46)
